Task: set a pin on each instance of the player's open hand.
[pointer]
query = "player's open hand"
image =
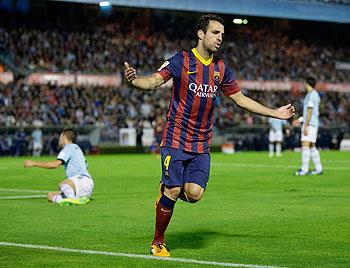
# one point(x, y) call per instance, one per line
point(28, 163)
point(129, 73)
point(285, 112)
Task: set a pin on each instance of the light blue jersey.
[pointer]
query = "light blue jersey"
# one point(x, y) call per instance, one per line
point(37, 135)
point(312, 100)
point(276, 124)
point(74, 160)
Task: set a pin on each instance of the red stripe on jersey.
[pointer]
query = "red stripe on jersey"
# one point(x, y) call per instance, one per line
point(207, 111)
point(222, 70)
point(175, 143)
point(190, 131)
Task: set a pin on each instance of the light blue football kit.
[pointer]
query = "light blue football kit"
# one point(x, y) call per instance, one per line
point(75, 166)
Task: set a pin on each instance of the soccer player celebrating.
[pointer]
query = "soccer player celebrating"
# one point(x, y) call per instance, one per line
point(276, 136)
point(198, 76)
point(309, 130)
point(78, 186)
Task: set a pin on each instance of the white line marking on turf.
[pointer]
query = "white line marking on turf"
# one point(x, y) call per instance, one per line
point(22, 190)
point(138, 256)
point(272, 166)
point(23, 196)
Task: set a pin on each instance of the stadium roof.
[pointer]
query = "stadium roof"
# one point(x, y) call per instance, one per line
point(317, 10)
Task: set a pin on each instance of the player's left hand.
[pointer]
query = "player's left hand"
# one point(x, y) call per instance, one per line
point(129, 72)
point(28, 163)
point(285, 112)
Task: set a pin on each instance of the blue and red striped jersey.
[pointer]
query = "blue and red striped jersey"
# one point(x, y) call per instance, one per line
point(196, 84)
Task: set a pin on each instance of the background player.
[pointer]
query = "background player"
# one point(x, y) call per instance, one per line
point(78, 186)
point(37, 137)
point(198, 76)
point(309, 130)
point(276, 136)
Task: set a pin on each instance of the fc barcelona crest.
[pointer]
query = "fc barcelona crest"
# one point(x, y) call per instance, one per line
point(217, 76)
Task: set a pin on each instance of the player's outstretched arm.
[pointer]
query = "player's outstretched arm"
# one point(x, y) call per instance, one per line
point(141, 82)
point(243, 101)
point(50, 164)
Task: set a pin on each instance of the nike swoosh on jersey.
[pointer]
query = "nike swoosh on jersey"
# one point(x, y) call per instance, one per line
point(164, 210)
point(193, 72)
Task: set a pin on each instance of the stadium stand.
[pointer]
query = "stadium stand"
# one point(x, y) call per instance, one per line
point(255, 53)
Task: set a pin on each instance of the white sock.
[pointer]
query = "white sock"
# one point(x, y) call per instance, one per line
point(271, 149)
point(305, 159)
point(315, 156)
point(67, 190)
point(278, 149)
point(57, 198)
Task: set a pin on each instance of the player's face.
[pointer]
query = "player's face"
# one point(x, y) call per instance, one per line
point(213, 37)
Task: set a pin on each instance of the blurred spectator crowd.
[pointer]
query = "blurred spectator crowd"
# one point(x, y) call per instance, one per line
point(21, 105)
point(254, 53)
point(115, 108)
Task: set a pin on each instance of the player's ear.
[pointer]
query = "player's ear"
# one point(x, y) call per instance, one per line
point(200, 34)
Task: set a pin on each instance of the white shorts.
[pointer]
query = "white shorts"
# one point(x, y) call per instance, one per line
point(83, 185)
point(275, 136)
point(311, 137)
point(37, 146)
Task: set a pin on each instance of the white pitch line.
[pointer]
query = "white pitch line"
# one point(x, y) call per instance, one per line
point(138, 256)
point(22, 190)
point(272, 166)
point(22, 197)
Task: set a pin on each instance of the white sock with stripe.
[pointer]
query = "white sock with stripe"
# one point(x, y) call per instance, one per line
point(305, 159)
point(271, 147)
point(278, 149)
point(315, 156)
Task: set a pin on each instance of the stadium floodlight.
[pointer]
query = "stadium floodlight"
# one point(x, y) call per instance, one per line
point(237, 21)
point(104, 4)
point(245, 21)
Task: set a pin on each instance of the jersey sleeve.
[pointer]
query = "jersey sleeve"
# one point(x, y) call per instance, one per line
point(64, 155)
point(171, 67)
point(310, 103)
point(314, 100)
point(229, 86)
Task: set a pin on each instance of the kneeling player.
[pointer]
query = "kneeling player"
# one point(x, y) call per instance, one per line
point(78, 186)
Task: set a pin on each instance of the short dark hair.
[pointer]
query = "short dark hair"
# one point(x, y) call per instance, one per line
point(203, 22)
point(311, 80)
point(70, 134)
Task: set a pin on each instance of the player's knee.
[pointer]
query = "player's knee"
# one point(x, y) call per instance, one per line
point(172, 192)
point(194, 195)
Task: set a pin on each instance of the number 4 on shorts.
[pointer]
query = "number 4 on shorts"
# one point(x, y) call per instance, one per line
point(167, 162)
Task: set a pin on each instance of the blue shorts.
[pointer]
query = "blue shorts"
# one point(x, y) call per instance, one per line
point(180, 167)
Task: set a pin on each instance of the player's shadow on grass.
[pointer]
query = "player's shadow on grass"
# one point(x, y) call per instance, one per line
point(191, 240)
point(200, 238)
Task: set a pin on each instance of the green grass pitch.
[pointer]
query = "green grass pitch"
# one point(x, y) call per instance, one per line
point(253, 212)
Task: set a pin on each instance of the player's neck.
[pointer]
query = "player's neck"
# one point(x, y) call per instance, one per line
point(66, 143)
point(204, 53)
